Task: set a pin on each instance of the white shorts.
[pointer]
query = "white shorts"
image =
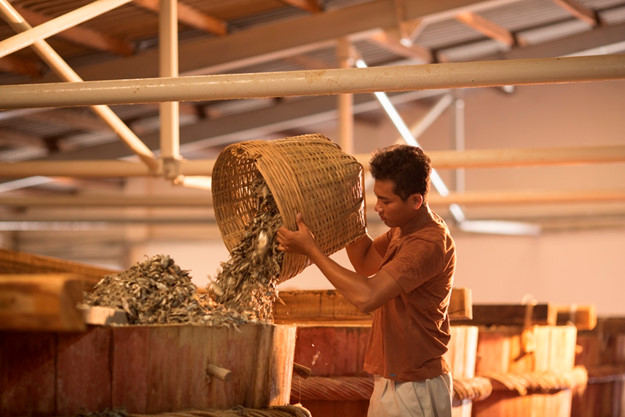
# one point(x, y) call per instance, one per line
point(429, 398)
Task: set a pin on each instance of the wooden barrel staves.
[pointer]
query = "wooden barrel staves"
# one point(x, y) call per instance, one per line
point(531, 368)
point(461, 356)
point(602, 352)
point(332, 338)
point(145, 369)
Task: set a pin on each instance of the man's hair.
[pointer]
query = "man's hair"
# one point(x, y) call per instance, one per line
point(407, 166)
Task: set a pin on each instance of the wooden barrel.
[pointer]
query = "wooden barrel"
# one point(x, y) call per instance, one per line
point(461, 357)
point(145, 369)
point(332, 337)
point(532, 370)
point(602, 352)
point(337, 385)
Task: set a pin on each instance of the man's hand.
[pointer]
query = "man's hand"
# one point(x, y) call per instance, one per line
point(300, 241)
point(365, 293)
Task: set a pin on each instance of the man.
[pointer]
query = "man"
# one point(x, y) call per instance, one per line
point(405, 276)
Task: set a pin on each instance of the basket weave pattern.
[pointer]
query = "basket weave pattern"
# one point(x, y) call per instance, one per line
point(306, 174)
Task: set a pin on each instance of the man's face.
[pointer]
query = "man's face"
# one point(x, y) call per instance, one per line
point(393, 211)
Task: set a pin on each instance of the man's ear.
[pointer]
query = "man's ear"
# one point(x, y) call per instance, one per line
point(416, 200)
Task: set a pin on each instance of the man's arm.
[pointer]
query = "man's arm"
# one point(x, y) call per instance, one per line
point(365, 293)
point(363, 256)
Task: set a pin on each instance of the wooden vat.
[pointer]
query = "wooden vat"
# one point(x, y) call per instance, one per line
point(145, 369)
point(461, 356)
point(601, 351)
point(52, 363)
point(337, 385)
point(531, 369)
point(332, 338)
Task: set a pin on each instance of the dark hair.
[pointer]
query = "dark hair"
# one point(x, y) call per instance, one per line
point(407, 166)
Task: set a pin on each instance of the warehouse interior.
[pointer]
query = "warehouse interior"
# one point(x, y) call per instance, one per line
point(113, 114)
point(536, 168)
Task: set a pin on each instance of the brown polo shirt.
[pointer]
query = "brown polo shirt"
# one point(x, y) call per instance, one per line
point(410, 333)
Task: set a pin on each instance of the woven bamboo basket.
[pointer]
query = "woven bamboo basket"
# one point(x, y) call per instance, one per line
point(306, 174)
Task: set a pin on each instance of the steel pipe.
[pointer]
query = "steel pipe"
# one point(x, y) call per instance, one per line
point(119, 200)
point(82, 169)
point(482, 198)
point(491, 158)
point(317, 82)
point(528, 197)
point(476, 158)
point(56, 25)
point(124, 218)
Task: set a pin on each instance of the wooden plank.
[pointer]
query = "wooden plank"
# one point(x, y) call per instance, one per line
point(270, 371)
point(330, 306)
point(455, 352)
point(544, 346)
point(129, 368)
point(83, 371)
point(552, 350)
point(308, 305)
point(470, 351)
point(97, 315)
point(462, 351)
point(144, 369)
point(522, 346)
point(14, 262)
point(589, 349)
point(583, 317)
point(193, 344)
point(611, 325)
point(332, 350)
point(27, 373)
point(281, 369)
point(567, 338)
point(460, 304)
point(512, 315)
point(493, 351)
point(246, 353)
point(43, 302)
point(162, 372)
point(347, 350)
